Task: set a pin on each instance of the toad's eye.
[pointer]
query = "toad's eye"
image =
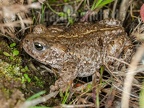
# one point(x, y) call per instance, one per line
point(38, 46)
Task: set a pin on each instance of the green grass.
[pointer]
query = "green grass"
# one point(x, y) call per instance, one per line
point(100, 3)
point(141, 97)
point(36, 95)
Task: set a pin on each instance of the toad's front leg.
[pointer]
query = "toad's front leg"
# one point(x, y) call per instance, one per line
point(67, 75)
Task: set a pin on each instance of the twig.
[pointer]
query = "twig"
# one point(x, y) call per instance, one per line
point(77, 106)
point(34, 102)
point(114, 9)
point(121, 61)
point(15, 23)
point(130, 76)
point(123, 9)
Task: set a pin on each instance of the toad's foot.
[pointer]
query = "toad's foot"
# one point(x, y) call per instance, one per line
point(67, 75)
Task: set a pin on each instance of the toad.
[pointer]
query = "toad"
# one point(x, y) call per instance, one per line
point(79, 50)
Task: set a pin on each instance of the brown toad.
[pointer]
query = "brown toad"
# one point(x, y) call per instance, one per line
point(80, 50)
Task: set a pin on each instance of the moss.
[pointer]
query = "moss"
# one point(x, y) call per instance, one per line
point(10, 82)
point(17, 75)
point(11, 62)
point(39, 82)
point(14, 75)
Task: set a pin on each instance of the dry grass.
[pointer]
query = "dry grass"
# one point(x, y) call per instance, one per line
point(14, 14)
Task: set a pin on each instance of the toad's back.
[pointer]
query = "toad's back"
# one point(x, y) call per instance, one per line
point(80, 49)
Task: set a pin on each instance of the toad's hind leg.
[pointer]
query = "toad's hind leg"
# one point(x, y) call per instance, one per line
point(128, 51)
point(67, 75)
point(120, 48)
point(125, 56)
